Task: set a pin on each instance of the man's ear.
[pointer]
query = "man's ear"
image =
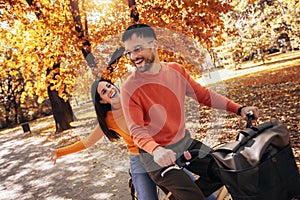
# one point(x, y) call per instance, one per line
point(155, 44)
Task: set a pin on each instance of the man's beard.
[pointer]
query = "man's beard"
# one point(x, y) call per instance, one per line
point(148, 64)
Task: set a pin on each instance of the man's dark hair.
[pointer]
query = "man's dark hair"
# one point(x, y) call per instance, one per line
point(141, 30)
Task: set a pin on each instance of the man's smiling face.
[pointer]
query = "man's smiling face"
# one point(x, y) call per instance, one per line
point(140, 51)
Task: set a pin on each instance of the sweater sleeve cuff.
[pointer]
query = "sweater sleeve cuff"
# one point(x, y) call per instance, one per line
point(233, 107)
point(240, 110)
point(77, 146)
point(150, 147)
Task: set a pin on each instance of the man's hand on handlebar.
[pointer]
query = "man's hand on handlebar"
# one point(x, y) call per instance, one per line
point(164, 157)
point(184, 160)
point(245, 110)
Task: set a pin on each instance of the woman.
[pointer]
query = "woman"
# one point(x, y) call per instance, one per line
point(111, 123)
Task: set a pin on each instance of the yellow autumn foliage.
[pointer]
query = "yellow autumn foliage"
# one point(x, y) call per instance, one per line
point(33, 40)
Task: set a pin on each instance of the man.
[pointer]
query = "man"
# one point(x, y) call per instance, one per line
point(153, 103)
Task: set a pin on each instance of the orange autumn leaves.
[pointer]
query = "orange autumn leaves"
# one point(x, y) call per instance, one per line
point(33, 40)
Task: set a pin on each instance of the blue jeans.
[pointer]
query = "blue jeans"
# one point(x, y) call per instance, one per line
point(144, 186)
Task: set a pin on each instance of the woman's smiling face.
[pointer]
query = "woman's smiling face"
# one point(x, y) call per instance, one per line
point(108, 93)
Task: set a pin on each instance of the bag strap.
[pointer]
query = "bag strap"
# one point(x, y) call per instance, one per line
point(261, 127)
point(255, 130)
point(252, 132)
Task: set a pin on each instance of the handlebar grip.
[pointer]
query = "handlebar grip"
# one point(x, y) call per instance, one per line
point(250, 117)
point(195, 154)
point(182, 162)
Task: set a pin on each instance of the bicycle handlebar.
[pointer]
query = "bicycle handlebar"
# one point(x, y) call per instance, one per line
point(182, 162)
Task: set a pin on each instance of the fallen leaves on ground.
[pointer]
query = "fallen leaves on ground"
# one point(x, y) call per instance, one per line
point(277, 95)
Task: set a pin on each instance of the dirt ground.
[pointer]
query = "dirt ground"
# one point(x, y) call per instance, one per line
point(100, 172)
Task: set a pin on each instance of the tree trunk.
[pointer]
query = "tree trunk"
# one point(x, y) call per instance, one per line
point(82, 34)
point(7, 111)
point(62, 110)
point(134, 14)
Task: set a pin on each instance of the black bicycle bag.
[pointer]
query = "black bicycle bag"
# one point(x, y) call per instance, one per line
point(260, 164)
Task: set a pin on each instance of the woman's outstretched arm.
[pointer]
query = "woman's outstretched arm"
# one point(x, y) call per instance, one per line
point(87, 142)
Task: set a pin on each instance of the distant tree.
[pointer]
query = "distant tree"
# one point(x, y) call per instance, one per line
point(259, 24)
point(10, 89)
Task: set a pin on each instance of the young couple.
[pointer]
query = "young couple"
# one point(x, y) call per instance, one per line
point(150, 119)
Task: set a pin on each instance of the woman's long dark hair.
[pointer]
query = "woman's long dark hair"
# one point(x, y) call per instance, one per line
point(101, 111)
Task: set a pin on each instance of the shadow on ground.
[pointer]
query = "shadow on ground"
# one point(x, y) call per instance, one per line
point(27, 173)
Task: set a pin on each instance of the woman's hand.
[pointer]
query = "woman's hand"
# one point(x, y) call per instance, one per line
point(52, 155)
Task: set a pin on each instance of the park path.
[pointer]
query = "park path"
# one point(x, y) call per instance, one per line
point(27, 173)
point(273, 62)
point(100, 172)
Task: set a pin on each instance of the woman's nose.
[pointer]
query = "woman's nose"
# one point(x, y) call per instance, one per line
point(110, 90)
